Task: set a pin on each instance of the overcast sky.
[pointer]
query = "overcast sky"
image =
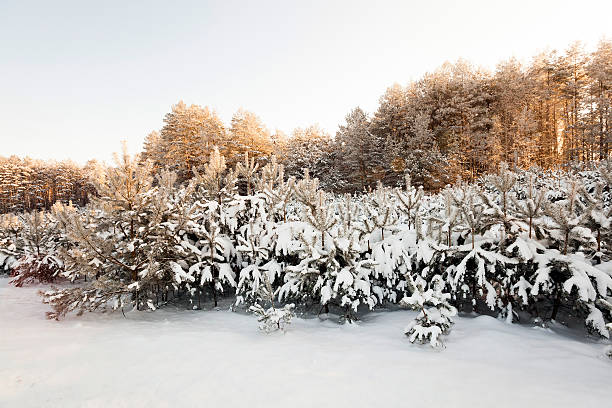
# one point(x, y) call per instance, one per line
point(78, 77)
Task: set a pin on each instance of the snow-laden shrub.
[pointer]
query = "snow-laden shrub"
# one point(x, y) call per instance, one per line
point(40, 240)
point(8, 256)
point(11, 246)
point(272, 318)
point(31, 269)
point(435, 313)
point(516, 242)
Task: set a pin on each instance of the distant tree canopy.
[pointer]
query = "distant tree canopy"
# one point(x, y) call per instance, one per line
point(458, 121)
point(27, 184)
point(188, 136)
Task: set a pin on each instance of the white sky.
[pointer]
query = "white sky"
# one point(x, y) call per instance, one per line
point(78, 77)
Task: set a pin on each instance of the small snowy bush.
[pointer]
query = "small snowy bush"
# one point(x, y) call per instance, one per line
point(514, 243)
point(271, 319)
point(31, 269)
point(435, 313)
point(39, 239)
point(11, 248)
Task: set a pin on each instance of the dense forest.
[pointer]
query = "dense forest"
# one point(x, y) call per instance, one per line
point(27, 184)
point(458, 121)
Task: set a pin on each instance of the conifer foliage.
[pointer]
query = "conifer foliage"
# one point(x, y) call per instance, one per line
point(434, 312)
point(520, 245)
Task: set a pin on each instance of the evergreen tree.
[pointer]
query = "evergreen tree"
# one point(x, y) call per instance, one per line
point(115, 244)
point(435, 312)
point(359, 152)
point(189, 135)
point(271, 319)
point(248, 135)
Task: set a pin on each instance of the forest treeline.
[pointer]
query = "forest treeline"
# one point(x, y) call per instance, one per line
point(458, 121)
point(27, 184)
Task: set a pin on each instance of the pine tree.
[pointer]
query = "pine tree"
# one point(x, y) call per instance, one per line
point(423, 161)
point(471, 210)
point(600, 71)
point(189, 135)
point(247, 169)
point(568, 218)
point(531, 207)
point(271, 319)
point(409, 201)
point(357, 147)
point(40, 241)
point(213, 201)
point(435, 312)
point(248, 135)
point(499, 212)
point(441, 226)
point(114, 244)
point(279, 192)
point(380, 214)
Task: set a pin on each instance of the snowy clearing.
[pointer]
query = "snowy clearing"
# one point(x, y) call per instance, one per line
point(219, 358)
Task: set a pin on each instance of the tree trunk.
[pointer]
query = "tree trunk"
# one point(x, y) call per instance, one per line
point(530, 222)
point(214, 290)
point(472, 232)
point(556, 303)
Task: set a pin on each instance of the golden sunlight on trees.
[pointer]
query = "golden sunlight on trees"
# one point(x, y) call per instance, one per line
point(247, 134)
point(457, 122)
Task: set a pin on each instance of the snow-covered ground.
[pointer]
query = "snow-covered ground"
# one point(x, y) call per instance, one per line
point(219, 359)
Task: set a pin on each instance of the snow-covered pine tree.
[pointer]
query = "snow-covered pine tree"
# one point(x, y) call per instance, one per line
point(409, 201)
point(215, 186)
point(435, 313)
point(598, 219)
point(255, 243)
point(442, 224)
point(114, 244)
point(379, 214)
point(531, 207)
point(215, 218)
point(471, 210)
point(315, 250)
point(354, 281)
point(568, 217)
point(572, 279)
point(307, 191)
point(40, 242)
point(278, 192)
point(11, 248)
point(247, 169)
point(476, 268)
point(498, 205)
point(271, 319)
point(175, 213)
point(209, 259)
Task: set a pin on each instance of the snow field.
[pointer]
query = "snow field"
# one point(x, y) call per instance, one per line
point(219, 358)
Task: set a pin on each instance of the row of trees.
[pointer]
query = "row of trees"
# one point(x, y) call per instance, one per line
point(555, 110)
point(27, 184)
point(516, 244)
point(190, 133)
point(456, 120)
